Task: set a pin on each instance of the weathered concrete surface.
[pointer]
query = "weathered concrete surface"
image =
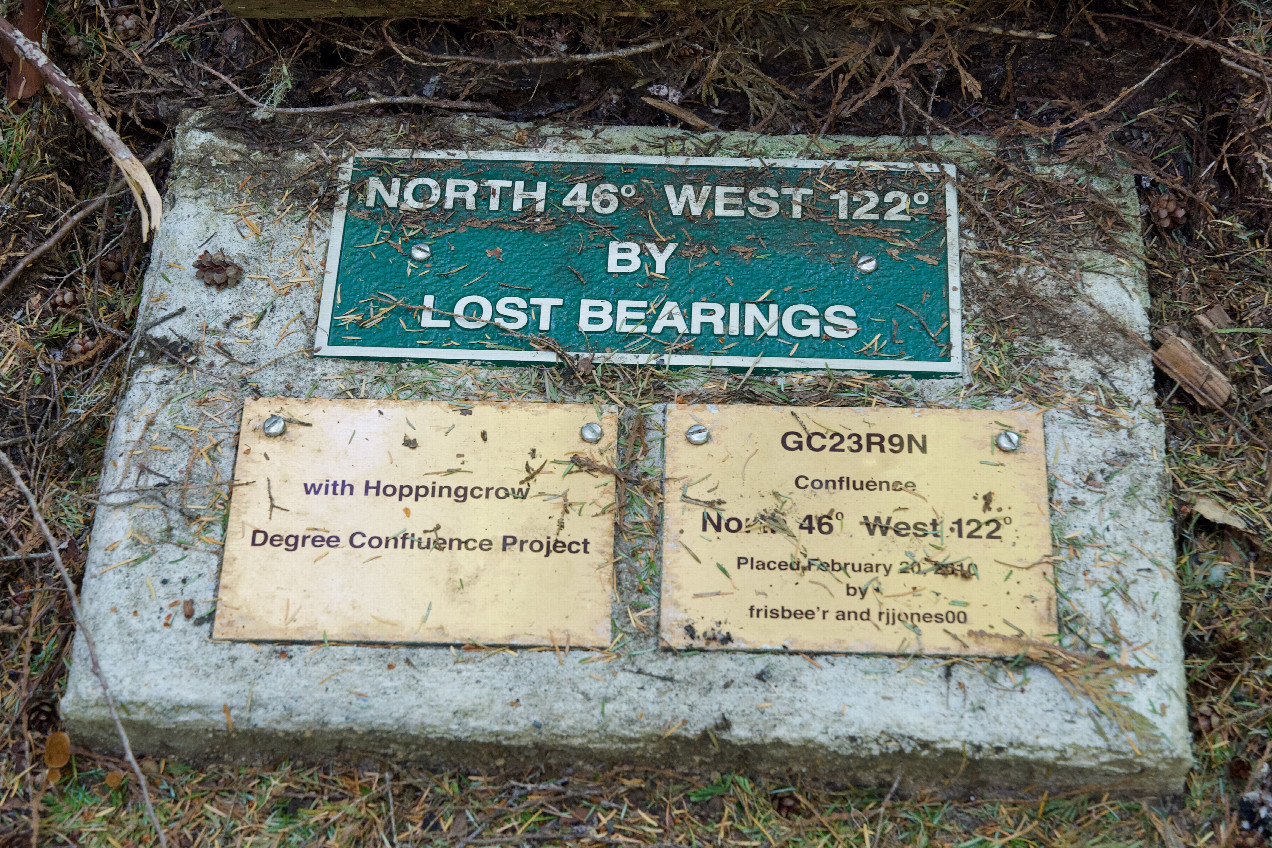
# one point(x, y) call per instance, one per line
point(1066, 324)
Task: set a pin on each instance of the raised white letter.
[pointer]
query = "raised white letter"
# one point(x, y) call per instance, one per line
point(520, 196)
point(472, 322)
point(495, 186)
point(695, 201)
point(809, 327)
point(798, 195)
point(434, 193)
point(545, 317)
point(465, 190)
point(624, 257)
point(595, 316)
point(375, 186)
point(660, 258)
point(426, 315)
point(671, 316)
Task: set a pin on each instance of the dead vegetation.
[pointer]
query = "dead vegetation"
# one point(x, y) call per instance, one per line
point(1179, 91)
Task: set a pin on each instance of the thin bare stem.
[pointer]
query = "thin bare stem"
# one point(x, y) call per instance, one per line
point(78, 615)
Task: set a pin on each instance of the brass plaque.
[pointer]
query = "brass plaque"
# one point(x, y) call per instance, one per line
point(420, 522)
point(855, 530)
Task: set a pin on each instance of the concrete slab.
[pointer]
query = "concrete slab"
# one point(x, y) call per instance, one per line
point(1058, 327)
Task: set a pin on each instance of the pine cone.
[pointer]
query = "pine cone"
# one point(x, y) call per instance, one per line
point(65, 301)
point(112, 266)
point(81, 346)
point(12, 615)
point(217, 269)
point(1168, 211)
point(42, 715)
point(76, 46)
point(128, 26)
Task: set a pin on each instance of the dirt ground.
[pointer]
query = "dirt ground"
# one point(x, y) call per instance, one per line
point(1182, 92)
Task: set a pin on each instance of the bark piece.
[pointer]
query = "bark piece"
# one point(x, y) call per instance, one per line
point(1215, 318)
point(24, 79)
point(680, 113)
point(1180, 361)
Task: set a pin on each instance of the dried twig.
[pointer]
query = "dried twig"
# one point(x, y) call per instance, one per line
point(74, 221)
point(371, 101)
point(23, 557)
point(78, 615)
point(593, 467)
point(883, 808)
point(139, 182)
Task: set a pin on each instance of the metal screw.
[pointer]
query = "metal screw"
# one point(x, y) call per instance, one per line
point(697, 435)
point(1008, 440)
point(274, 426)
point(591, 432)
point(421, 252)
point(867, 264)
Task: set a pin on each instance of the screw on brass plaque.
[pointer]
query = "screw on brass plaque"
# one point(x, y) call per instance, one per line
point(1008, 441)
point(591, 432)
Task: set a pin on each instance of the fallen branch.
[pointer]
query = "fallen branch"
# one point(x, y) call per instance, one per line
point(78, 615)
point(139, 182)
point(561, 58)
point(74, 221)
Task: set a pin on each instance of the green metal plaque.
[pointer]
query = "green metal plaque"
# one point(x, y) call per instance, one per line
point(739, 263)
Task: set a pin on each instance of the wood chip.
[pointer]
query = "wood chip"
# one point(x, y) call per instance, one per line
point(1180, 361)
point(1215, 318)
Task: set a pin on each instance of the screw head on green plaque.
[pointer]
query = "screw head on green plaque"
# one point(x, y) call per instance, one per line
point(645, 260)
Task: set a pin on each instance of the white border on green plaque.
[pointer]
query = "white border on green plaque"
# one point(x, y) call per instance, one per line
point(323, 347)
